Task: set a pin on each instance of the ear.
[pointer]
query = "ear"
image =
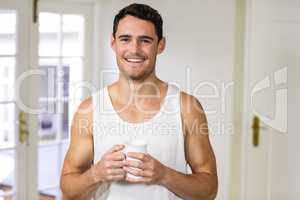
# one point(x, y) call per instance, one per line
point(161, 45)
point(113, 42)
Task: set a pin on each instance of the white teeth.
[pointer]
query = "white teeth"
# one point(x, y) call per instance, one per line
point(134, 60)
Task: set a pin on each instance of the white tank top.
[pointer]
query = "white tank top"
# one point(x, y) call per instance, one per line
point(163, 134)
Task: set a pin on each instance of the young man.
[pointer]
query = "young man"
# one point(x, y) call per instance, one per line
point(139, 106)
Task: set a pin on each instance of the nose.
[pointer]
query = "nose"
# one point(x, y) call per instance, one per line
point(134, 46)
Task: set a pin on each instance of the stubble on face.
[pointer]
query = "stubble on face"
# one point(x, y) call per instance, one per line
point(136, 46)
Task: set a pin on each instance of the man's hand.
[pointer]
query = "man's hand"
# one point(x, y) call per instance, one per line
point(110, 167)
point(150, 169)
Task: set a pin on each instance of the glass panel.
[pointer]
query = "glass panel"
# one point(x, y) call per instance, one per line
point(65, 78)
point(65, 133)
point(47, 100)
point(7, 32)
point(65, 117)
point(47, 126)
point(76, 88)
point(7, 77)
point(7, 172)
point(76, 78)
point(49, 28)
point(7, 110)
point(49, 168)
point(49, 194)
point(7, 128)
point(48, 88)
point(73, 29)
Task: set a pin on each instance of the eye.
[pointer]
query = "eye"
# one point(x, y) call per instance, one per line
point(145, 41)
point(124, 39)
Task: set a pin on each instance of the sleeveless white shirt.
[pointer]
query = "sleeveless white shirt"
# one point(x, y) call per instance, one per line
point(163, 134)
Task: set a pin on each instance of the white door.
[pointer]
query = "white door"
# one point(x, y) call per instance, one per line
point(15, 20)
point(271, 168)
point(65, 32)
point(43, 63)
point(8, 132)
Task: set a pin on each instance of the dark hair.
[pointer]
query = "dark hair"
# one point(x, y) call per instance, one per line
point(141, 11)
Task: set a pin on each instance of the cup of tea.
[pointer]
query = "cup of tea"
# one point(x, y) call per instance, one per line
point(136, 145)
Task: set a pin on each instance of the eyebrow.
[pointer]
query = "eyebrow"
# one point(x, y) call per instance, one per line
point(140, 37)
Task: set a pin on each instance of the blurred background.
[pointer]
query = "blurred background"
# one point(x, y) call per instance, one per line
point(240, 58)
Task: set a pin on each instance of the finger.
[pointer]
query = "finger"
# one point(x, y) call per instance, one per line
point(147, 174)
point(115, 148)
point(115, 172)
point(117, 156)
point(133, 163)
point(137, 180)
point(136, 155)
point(118, 177)
point(115, 164)
point(138, 172)
point(134, 171)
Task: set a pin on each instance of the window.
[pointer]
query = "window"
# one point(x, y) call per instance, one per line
point(61, 56)
point(7, 76)
point(7, 104)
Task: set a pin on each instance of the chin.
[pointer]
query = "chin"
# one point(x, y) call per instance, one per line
point(136, 77)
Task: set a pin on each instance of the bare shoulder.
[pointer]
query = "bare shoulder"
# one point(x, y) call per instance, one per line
point(190, 104)
point(198, 150)
point(192, 112)
point(79, 156)
point(85, 107)
point(83, 118)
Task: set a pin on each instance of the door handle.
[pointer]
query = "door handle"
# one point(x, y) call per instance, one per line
point(255, 131)
point(23, 128)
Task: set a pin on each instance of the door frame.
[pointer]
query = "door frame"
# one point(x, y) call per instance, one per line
point(240, 155)
point(27, 38)
point(27, 53)
point(68, 7)
point(239, 141)
point(24, 33)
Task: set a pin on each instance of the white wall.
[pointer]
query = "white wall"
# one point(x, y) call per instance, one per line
point(200, 36)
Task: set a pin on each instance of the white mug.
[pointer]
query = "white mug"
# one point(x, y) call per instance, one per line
point(136, 145)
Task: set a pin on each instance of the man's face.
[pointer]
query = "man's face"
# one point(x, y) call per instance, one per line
point(136, 46)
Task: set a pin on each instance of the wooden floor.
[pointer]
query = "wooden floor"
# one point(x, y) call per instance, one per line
point(41, 197)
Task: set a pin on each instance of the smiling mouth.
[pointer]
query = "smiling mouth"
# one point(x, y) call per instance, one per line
point(135, 60)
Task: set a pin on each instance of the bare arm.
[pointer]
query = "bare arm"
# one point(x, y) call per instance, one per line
point(77, 181)
point(80, 178)
point(202, 184)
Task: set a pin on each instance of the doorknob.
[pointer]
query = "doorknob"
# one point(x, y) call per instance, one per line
point(23, 131)
point(255, 131)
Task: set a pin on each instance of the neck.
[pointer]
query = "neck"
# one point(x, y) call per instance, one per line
point(128, 90)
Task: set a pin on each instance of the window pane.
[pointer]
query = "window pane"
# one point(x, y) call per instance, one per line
point(73, 29)
point(49, 166)
point(49, 28)
point(49, 194)
point(7, 172)
point(47, 125)
point(47, 100)
point(54, 79)
point(75, 78)
point(7, 128)
point(53, 82)
point(76, 89)
point(48, 82)
point(7, 32)
point(65, 78)
point(66, 125)
point(7, 77)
